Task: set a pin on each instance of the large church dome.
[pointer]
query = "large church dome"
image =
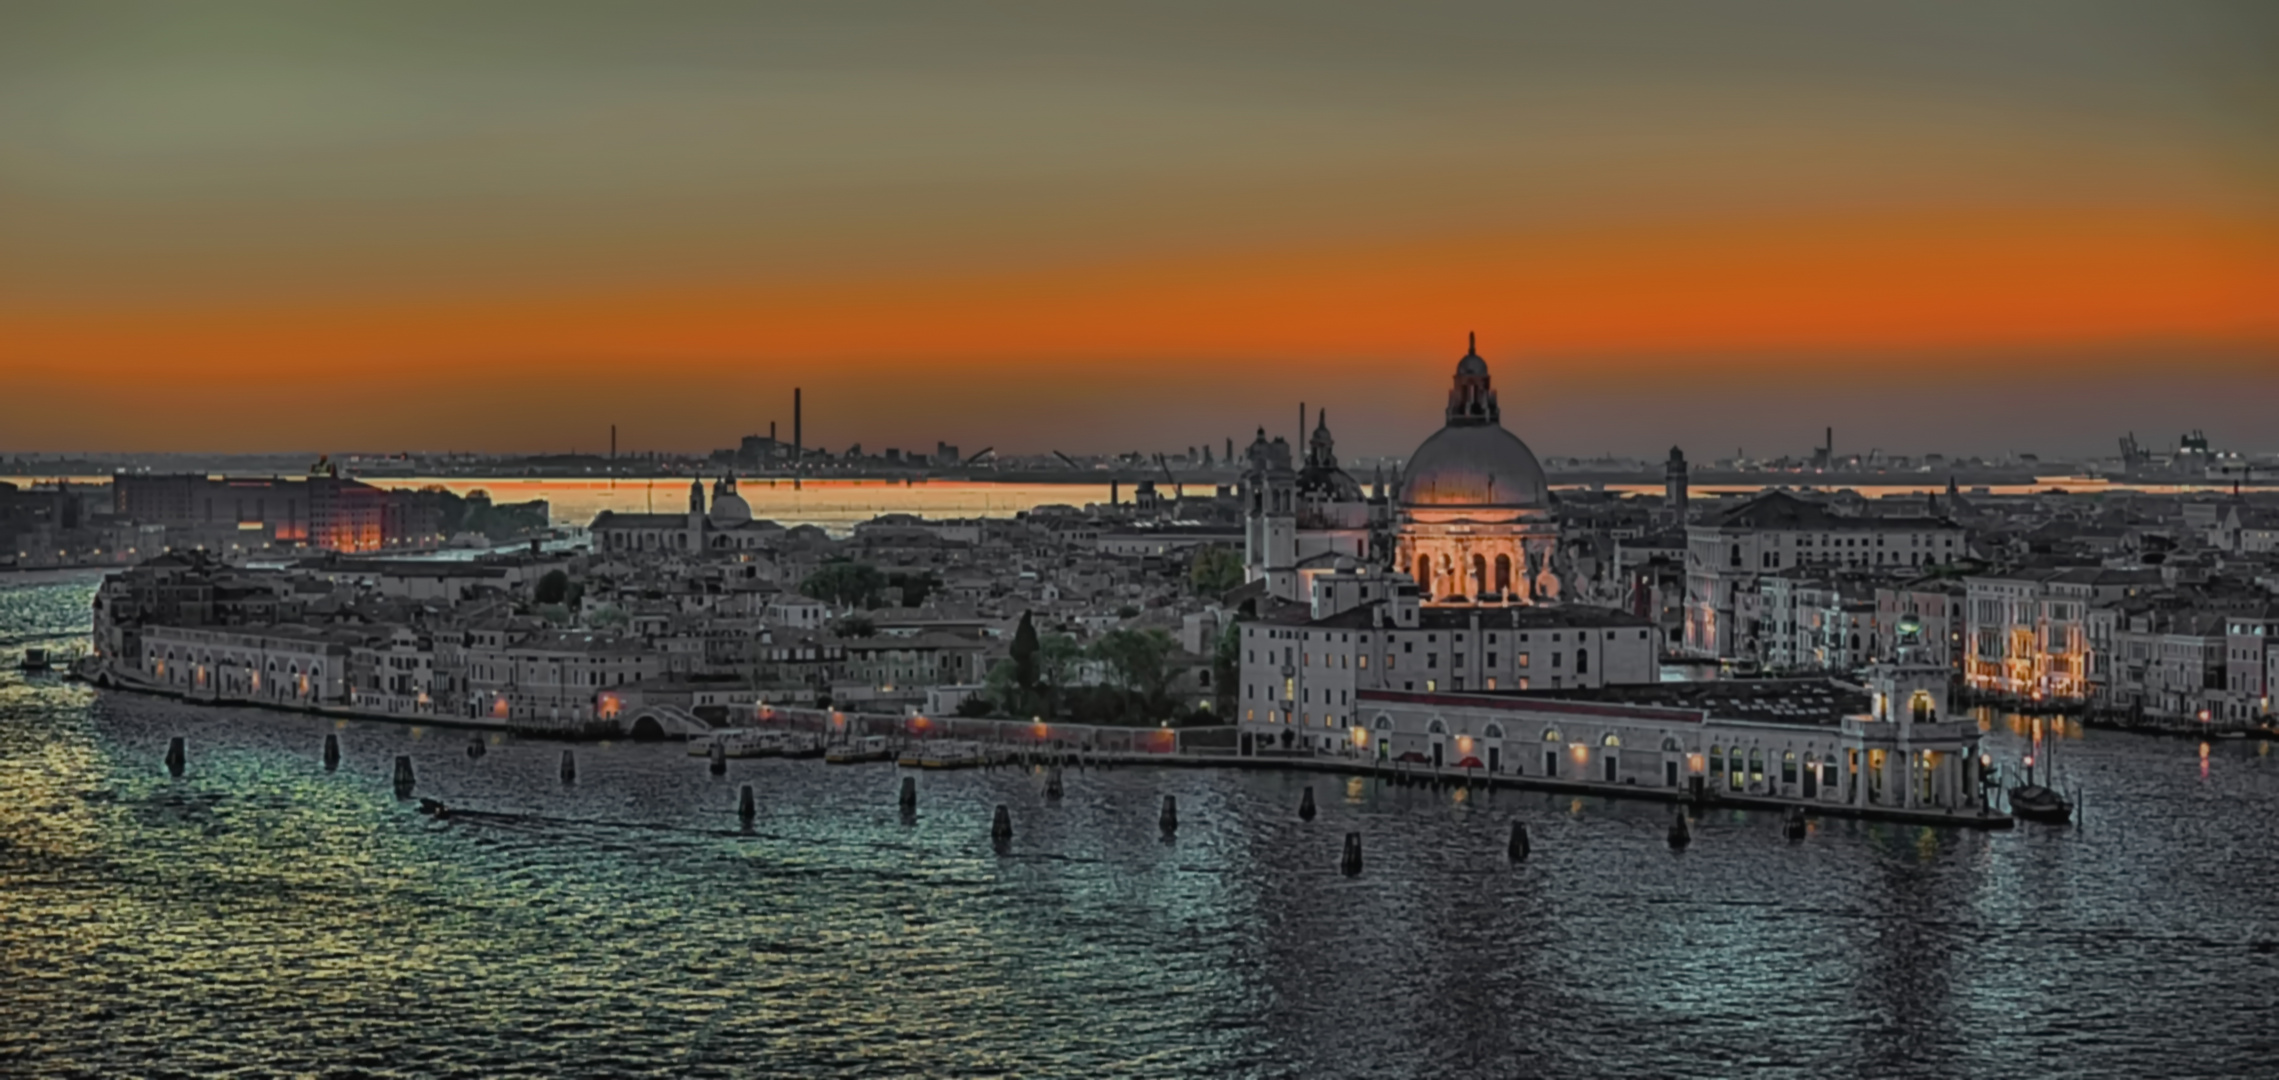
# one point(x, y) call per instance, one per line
point(1474, 466)
point(1473, 461)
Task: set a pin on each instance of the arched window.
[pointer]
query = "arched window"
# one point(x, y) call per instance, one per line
point(1436, 727)
point(1383, 722)
point(1424, 576)
point(1788, 767)
point(1716, 761)
point(1855, 641)
point(1611, 740)
point(1756, 766)
point(1495, 731)
point(1582, 662)
point(1670, 745)
point(1550, 734)
point(1479, 575)
point(1503, 574)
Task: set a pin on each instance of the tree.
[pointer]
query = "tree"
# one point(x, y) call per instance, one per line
point(1226, 667)
point(1215, 570)
point(975, 706)
point(914, 587)
point(845, 584)
point(1057, 657)
point(1024, 653)
point(1139, 663)
point(552, 588)
point(854, 626)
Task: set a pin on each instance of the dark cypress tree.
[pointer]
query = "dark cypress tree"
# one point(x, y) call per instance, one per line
point(1025, 655)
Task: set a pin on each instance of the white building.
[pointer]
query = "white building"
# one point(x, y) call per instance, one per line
point(1892, 749)
point(1775, 532)
point(294, 664)
point(2030, 634)
point(1302, 673)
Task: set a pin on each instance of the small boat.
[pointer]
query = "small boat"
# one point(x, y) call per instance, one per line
point(736, 743)
point(945, 754)
point(798, 744)
point(867, 748)
point(35, 660)
point(2033, 802)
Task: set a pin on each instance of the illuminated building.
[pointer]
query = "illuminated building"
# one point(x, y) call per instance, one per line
point(1474, 525)
point(1889, 749)
point(1471, 523)
point(2030, 635)
point(320, 511)
point(1779, 532)
point(1303, 670)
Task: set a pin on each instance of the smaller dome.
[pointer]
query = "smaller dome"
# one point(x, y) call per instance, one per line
point(730, 509)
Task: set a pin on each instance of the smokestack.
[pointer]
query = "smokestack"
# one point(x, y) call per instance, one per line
point(1301, 426)
point(798, 433)
point(771, 431)
point(613, 442)
point(1831, 442)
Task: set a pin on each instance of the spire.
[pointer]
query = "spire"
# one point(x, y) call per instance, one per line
point(1471, 343)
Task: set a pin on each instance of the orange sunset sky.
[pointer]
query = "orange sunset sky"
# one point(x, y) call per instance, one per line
point(1970, 227)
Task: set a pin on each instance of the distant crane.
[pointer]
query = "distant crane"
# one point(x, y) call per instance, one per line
point(979, 454)
point(1178, 489)
point(1069, 460)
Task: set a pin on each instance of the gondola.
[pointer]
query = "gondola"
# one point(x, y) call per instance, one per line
point(2033, 802)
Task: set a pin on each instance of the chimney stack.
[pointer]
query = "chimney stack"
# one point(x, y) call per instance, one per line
point(798, 433)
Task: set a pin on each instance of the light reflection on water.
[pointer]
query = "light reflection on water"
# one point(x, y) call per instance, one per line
point(259, 915)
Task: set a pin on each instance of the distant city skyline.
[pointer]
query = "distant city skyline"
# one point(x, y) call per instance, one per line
point(250, 227)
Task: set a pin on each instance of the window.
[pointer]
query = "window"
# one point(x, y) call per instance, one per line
point(1523, 659)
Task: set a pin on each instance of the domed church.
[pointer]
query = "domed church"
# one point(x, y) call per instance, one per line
point(1474, 523)
point(1471, 523)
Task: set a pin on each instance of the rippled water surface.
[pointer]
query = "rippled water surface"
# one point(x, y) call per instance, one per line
point(261, 916)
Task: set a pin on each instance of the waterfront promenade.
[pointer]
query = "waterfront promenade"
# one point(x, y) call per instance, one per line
point(1038, 743)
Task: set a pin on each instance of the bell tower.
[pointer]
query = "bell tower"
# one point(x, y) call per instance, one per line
point(1270, 516)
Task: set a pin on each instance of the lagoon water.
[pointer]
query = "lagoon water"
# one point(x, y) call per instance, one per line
point(260, 916)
